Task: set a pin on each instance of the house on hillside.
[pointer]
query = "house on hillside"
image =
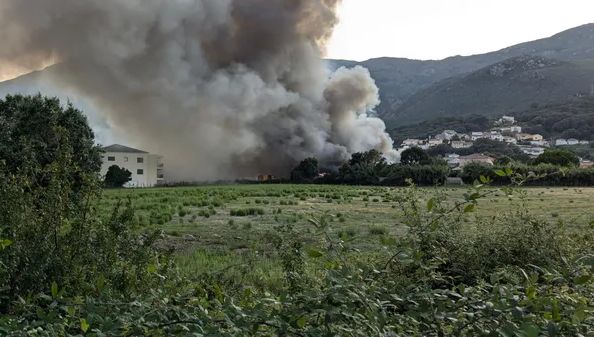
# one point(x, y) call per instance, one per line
point(452, 159)
point(587, 164)
point(494, 135)
point(510, 140)
point(412, 142)
point(476, 135)
point(515, 129)
point(532, 151)
point(527, 137)
point(434, 142)
point(460, 144)
point(476, 158)
point(573, 141)
point(147, 169)
point(446, 135)
point(560, 142)
point(542, 143)
point(506, 120)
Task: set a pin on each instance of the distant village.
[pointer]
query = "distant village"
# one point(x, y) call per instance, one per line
point(504, 130)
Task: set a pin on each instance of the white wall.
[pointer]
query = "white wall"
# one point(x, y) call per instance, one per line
point(144, 173)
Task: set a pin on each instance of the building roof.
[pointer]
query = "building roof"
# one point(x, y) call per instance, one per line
point(122, 149)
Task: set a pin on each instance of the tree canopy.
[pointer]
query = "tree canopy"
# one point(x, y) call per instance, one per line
point(414, 156)
point(117, 176)
point(306, 171)
point(558, 157)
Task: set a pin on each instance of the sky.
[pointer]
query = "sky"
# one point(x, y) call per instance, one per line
point(436, 29)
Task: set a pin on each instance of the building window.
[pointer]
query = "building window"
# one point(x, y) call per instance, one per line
point(125, 159)
point(140, 172)
point(110, 158)
point(140, 160)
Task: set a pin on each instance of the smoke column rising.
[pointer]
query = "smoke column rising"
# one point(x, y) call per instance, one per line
point(221, 88)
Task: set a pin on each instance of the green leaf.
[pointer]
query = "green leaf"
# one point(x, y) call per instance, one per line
point(314, 253)
point(55, 289)
point(530, 330)
point(152, 268)
point(469, 208)
point(430, 204)
point(484, 180)
point(4, 243)
point(509, 171)
point(500, 173)
point(84, 325)
point(583, 279)
point(100, 283)
point(301, 322)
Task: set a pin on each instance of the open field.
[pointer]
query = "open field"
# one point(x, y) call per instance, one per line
point(218, 227)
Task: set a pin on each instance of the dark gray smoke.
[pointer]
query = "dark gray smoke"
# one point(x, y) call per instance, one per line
point(221, 88)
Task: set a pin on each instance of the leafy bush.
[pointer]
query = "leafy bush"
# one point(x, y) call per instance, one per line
point(246, 212)
point(47, 217)
point(541, 175)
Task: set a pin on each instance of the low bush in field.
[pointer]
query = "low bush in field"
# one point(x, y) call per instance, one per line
point(246, 212)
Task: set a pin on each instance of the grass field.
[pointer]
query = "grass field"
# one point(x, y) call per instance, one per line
point(213, 228)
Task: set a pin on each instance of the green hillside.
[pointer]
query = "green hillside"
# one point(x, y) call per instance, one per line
point(509, 86)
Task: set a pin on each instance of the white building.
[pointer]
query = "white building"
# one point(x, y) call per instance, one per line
point(529, 137)
point(510, 140)
point(412, 142)
point(447, 135)
point(460, 144)
point(476, 135)
point(560, 142)
point(146, 168)
point(516, 129)
point(573, 141)
point(434, 142)
point(540, 143)
point(533, 151)
point(494, 135)
point(584, 142)
point(506, 120)
point(453, 159)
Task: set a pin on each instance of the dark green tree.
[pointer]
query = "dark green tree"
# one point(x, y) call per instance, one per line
point(414, 156)
point(117, 176)
point(306, 171)
point(558, 157)
point(364, 168)
point(49, 182)
point(36, 132)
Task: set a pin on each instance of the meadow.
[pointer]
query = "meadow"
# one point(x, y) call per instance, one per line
point(232, 229)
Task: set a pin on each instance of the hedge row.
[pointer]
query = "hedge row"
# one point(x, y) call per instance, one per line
point(541, 175)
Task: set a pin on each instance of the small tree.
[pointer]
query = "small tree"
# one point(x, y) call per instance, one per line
point(117, 176)
point(414, 156)
point(306, 171)
point(558, 157)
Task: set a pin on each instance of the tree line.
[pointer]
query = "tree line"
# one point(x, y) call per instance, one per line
point(555, 167)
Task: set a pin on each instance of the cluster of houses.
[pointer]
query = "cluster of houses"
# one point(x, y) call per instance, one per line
point(505, 130)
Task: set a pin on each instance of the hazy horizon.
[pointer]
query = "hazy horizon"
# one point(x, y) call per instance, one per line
point(434, 29)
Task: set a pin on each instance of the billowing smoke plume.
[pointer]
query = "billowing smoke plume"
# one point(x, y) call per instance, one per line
point(221, 88)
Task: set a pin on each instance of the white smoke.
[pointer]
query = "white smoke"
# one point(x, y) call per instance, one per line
point(221, 88)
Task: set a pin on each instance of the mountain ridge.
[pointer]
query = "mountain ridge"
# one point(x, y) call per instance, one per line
point(400, 78)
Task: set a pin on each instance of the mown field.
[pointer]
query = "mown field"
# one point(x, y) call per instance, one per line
point(232, 228)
